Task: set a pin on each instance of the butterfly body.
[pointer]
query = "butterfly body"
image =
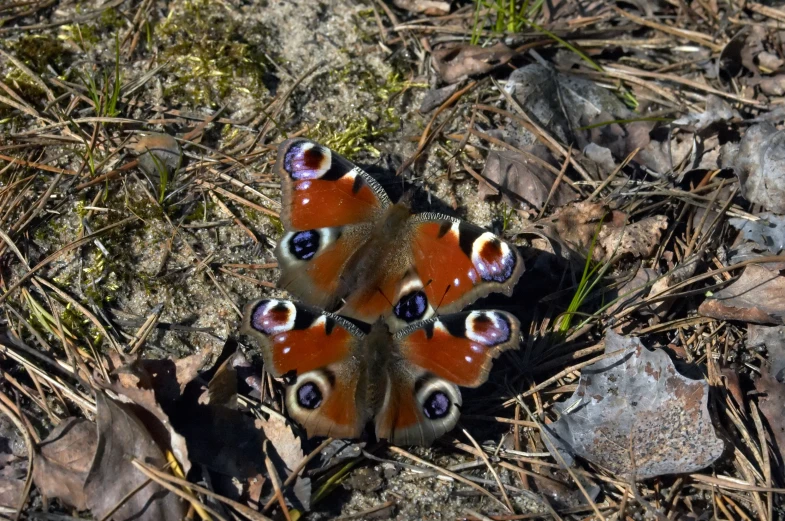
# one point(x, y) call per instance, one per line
point(348, 247)
point(341, 377)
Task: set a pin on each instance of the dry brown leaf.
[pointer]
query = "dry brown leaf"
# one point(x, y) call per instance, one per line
point(523, 181)
point(122, 437)
point(63, 460)
point(639, 239)
point(457, 63)
point(12, 486)
point(156, 421)
point(579, 224)
point(636, 416)
point(771, 405)
point(757, 296)
point(288, 448)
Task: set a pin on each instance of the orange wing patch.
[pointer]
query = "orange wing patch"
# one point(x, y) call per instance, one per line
point(304, 350)
point(459, 360)
point(322, 203)
point(446, 271)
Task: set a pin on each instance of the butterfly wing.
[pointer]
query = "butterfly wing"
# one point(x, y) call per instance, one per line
point(329, 207)
point(322, 189)
point(327, 395)
point(422, 400)
point(459, 262)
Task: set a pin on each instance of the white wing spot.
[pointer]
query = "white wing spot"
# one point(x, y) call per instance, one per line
point(468, 359)
point(286, 350)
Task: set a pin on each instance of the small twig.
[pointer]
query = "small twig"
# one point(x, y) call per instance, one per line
point(17, 421)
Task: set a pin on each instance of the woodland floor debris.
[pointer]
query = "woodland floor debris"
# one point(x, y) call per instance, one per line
point(138, 214)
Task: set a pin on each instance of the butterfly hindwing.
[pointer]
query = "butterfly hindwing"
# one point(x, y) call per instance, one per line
point(318, 351)
point(313, 262)
point(418, 407)
point(422, 400)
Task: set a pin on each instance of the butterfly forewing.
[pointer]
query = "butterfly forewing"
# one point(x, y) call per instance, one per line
point(322, 189)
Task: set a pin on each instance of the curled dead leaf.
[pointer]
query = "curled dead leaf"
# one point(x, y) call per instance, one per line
point(524, 180)
point(158, 154)
point(112, 477)
point(426, 7)
point(457, 63)
point(580, 223)
point(758, 296)
point(63, 460)
point(88, 465)
point(771, 405)
point(636, 416)
point(760, 165)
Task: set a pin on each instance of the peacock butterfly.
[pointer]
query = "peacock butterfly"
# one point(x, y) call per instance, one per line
point(340, 376)
point(347, 247)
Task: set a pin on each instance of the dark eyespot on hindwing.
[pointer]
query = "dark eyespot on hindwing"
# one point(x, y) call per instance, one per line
point(436, 406)
point(304, 245)
point(412, 306)
point(309, 396)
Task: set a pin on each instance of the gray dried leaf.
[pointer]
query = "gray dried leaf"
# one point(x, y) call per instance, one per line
point(62, 462)
point(770, 61)
point(773, 339)
point(757, 296)
point(634, 290)
point(602, 157)
point(122, 437)
point(768, 232)
point(435, 97)
point(760, 165)
point(523, 180)
point(717, 110)
point(773, 86)
point(636, 416)
point(456, 63)
point(770, 405)
point(561, 103)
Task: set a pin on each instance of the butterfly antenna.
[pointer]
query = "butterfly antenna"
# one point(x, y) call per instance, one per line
point(443, 297)
point(385, 297)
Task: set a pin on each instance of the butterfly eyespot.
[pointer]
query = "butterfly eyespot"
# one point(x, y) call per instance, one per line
point(436, 406)
point(304, 245)
point(307, 161)
point(309, 396)
point(412, 306)
point(492, 258)
point(488, 328)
